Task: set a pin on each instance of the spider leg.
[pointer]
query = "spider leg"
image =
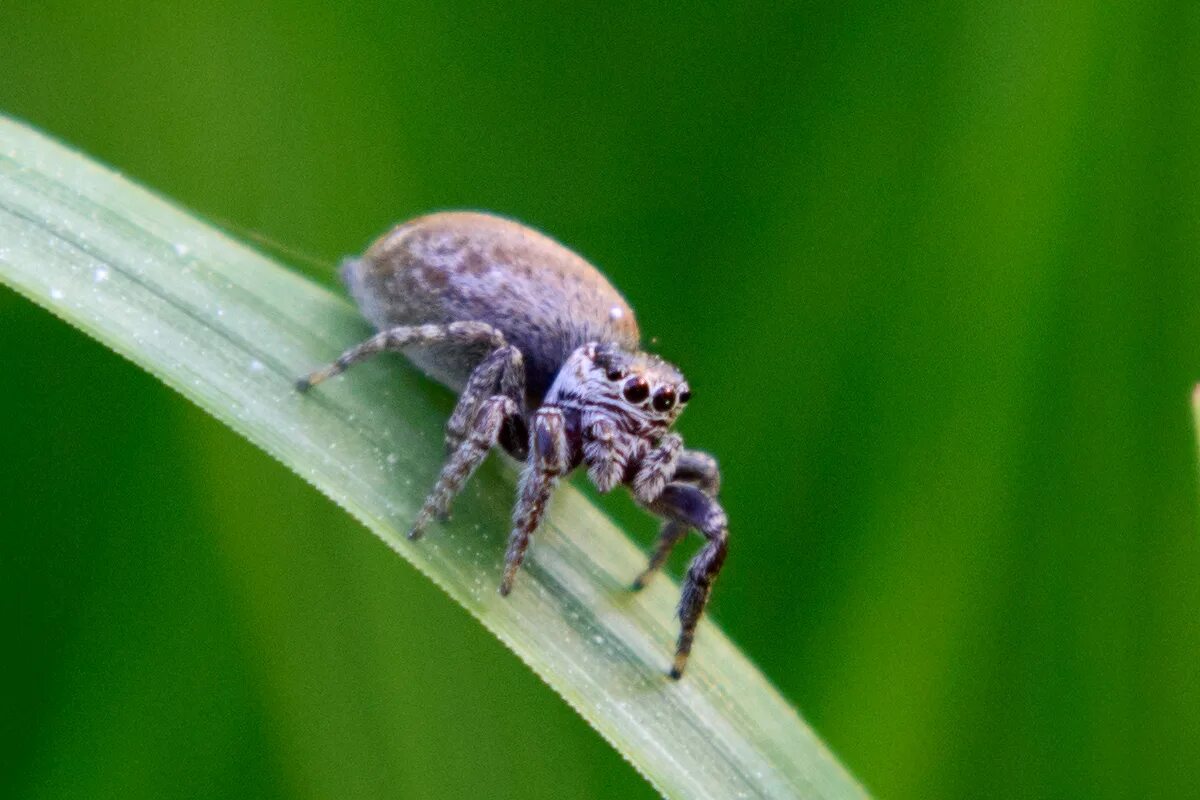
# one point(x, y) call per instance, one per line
point(656, 468)
point(485, 430)
point(503, 368)
point(400, 338)
point(689, 505)
point(670, 534)
point(696, 468)
point(604, 458)
point(700, 469)
point(548, 461)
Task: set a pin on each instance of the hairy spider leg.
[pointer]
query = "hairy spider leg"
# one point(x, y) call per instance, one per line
point(699, 469)
point(471, 451)
point(548, 461)
point(670, 534)
point(689, 505)
point(480, 416)
point(656, 468)
point(503, 370)
point(402, 337)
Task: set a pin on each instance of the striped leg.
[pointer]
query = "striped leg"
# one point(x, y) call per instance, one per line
point(548, 461)
point(691, 506)
point(465, 460)
point(670, 534)
point(698, 469)
point(504, 370)
point(397, 339)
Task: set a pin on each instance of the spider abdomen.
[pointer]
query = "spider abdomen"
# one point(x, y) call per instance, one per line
point(459, 266)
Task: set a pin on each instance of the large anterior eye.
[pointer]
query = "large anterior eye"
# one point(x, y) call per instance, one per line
point(685, 394)
point(664, 398)
point(636, 389)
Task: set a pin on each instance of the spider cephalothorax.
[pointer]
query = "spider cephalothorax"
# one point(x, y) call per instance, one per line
point(648, 389)
point(545, 354)
point(621, 404)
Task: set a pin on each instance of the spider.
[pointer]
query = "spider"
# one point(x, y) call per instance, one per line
point(545, 354)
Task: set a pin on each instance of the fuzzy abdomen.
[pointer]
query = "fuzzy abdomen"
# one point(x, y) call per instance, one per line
point(456, 266)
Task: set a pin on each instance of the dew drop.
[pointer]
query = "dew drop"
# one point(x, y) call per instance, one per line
point(256, 365)
point(392, 458)
point(181, 249)
point(56, 294)
point(615, 313)
point(100, 275)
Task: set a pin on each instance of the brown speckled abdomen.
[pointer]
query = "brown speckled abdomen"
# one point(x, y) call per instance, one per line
point(457, 266)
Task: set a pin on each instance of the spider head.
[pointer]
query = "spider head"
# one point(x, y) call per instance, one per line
point(637, 389)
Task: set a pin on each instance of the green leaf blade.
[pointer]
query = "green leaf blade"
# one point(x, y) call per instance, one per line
point(230, 330)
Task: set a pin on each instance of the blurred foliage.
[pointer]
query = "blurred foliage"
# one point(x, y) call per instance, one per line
point(930, 269)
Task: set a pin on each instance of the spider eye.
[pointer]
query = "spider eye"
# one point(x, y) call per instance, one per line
point(685, 394)
point(614, 374)
point(636, 389)
point(664, 399)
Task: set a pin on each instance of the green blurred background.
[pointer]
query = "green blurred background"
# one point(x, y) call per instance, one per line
point(930, 268)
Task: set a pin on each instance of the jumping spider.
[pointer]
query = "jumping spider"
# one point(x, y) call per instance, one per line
point(545, 354)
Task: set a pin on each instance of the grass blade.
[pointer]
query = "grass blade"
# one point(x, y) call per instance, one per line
point(230, 330)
